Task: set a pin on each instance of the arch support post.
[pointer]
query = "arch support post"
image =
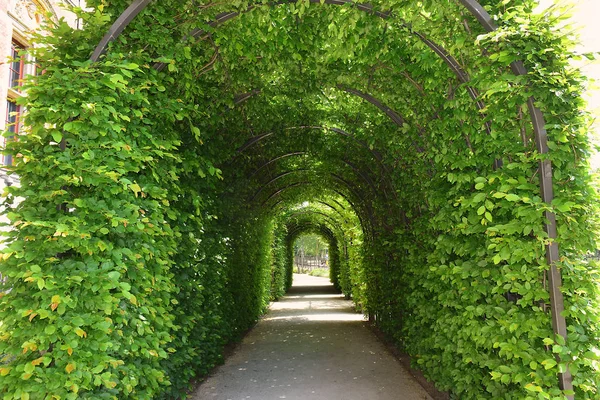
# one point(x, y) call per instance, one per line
point(557, 306)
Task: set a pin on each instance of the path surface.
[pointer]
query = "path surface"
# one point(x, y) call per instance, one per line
point(311, 346)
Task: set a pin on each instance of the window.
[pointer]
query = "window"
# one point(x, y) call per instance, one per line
point(16, 73)
point(16, 67)
point(13, 113)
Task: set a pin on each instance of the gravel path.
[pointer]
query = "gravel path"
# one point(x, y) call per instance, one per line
point(311, 346)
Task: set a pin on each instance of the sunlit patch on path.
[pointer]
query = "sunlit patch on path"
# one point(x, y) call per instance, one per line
point(311, 345)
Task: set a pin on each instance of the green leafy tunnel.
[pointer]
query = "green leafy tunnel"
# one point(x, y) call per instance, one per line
point(164, 181)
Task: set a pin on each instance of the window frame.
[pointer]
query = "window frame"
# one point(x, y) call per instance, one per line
point(17, 72)
point(12, 125)
point(16, 76)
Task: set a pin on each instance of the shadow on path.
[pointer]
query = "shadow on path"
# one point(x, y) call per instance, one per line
point(311, 345)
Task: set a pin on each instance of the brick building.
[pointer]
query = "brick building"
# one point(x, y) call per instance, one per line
point(18, 18)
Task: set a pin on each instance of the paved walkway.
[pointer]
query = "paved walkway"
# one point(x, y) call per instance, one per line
point(311, 346)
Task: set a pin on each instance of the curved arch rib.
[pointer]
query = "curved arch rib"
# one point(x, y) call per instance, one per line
point(559, 323)
point(296, 153)
point(138, 5)
point(119, 26)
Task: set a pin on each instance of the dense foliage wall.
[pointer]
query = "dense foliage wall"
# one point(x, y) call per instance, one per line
point(162, 188)
point(122, 282)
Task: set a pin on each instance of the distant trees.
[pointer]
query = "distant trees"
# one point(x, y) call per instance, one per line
point(310, 251)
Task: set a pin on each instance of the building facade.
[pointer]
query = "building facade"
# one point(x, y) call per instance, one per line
point(18, 19)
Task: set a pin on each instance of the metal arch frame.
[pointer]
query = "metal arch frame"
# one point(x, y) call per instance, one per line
point(356, 210)
point(537, 117)
point(131, 12)
point(325, 204)
point(396, 118)
point(359, 215)
point(297, 231)
point(392, 114)
point(255, 139)
point(387, 110)
point(271, 161)
point(322, 228)
point(462, 76)
point(281, 190)
point(276, 178)
point(300, 229)
point(363, 175)
point(348, 185)
point(309, 211)
point(139, 5)
point(298, 153)
point(333, 208)
point(366, 228)
point(242, 97)
point(119, 26)
point(328, 218)
point(339, 204)
point(559, 324)
point(356, 193)
point(376, 154)
point(298, 223)
point(359, 172)
point(308, 226)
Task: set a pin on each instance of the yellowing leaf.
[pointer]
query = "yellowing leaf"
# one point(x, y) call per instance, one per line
point(69, 368)
point(37, 361)
point(533, 388)
point(135, 188)
point(27, 346)
point(80, 332)
point(4, 371)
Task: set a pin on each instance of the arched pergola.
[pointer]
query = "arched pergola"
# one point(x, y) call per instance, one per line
point(439, 148)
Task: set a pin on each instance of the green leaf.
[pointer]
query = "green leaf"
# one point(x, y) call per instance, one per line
point(479, 197)
point(57, 136)
point(549, 363)
point(533, 365)
point(512, 197)
point(114, 275)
